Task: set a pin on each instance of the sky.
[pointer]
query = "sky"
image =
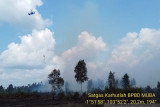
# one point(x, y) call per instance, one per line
point(110, 35)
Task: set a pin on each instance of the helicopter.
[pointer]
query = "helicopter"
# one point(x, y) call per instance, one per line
point(31, 13)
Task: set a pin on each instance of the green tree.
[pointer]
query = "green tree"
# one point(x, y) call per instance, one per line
point(125, 81)
point(148, 89)
point(158, 88)
point(1, 89)
point(112, 82)
point(158, 85)
point(10, 88)
point(81, 72)
point(55, 80)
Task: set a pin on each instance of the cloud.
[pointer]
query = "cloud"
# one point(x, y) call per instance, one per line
point(88, 48)
point(29, 53)
point(124, 52)
point(16, 13)
point(137, 47)
point(24, 61)
point(20, 77)
point(138, 54)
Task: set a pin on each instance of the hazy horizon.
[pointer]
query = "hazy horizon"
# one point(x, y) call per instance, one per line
point(118, 36)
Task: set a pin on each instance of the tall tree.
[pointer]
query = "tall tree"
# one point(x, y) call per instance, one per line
point(55, 80)
point(112, 81)
point(125, 81)
point(1, 89)
point(148, 89)
point(81, 72)
point(158, 86)
point(10, 88)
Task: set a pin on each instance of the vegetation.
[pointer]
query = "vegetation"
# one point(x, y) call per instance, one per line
point(81, 72)
point(55, 80)
point(126, 81)
point(112, 81)
point(64, 96)
point(30, 88)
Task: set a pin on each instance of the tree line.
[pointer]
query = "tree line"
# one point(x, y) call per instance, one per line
point(25, 89)
point(57, 82)
point(111, 84)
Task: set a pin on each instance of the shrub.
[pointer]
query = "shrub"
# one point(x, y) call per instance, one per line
point(76, 95)
point(61, 95)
